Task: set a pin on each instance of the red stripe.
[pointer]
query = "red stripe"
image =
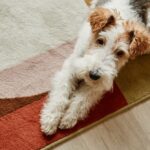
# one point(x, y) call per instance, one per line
point(21, 130)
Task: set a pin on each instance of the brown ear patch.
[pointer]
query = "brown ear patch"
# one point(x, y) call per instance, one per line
point(139, 38)
point(140, 44)
point(101, 18)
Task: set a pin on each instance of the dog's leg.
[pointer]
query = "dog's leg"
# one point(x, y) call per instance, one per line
point(58, 101)
point(63, 85)
point(82, 101)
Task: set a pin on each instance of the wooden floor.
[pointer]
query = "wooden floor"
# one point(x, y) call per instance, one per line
point(127, 131)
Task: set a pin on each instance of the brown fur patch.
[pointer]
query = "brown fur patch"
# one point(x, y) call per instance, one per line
point(140, 43)
point(101, 18)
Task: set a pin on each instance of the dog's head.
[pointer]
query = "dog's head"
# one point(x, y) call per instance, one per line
point(109, 28)
point(113, 42)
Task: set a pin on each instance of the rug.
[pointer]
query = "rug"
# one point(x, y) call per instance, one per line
point(33, 46)
point(19, 116)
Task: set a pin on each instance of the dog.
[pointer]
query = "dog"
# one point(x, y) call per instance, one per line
point(113, 33)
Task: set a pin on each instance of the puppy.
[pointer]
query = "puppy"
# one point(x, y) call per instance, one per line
point(112, 34)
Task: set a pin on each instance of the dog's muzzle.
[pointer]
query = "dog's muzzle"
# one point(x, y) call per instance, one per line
point(94, 75)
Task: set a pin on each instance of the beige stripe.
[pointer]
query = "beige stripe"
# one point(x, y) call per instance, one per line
point(33, 76)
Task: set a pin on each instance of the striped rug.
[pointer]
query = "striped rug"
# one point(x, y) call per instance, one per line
point(19, 114)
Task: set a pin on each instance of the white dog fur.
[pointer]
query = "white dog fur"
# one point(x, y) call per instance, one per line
point(101, 50)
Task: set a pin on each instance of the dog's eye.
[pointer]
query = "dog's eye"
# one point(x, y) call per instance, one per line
point(100, 41)
point(120, 53)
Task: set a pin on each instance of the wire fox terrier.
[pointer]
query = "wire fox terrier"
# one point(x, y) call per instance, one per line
point(113, 33)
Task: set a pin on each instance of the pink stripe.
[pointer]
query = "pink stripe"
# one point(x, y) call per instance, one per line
point(34, 75)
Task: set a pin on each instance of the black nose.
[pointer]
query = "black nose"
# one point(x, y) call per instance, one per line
point(94, 75)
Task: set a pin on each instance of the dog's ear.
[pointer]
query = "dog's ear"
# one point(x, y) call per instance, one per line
point(100, 19)
point(140, 44)
point(139, 39)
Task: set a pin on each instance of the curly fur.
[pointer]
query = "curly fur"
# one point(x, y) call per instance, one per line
point(104, 46)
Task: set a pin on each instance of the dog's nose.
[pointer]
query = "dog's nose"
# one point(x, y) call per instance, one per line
point(94, 75)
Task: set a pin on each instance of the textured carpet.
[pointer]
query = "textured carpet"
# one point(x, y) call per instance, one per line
point(27, 30)
point(21, 127)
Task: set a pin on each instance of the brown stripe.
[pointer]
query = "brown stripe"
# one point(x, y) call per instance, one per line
point(33, 76)
point(10, 105)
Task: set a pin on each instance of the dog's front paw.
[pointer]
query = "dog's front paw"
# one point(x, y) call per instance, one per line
point(49, 123)
point(67, 122)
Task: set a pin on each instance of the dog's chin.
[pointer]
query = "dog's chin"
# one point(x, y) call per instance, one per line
point(103, 84)
point(85, 80)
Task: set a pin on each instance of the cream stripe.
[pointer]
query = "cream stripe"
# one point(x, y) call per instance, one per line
point(31, 27)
